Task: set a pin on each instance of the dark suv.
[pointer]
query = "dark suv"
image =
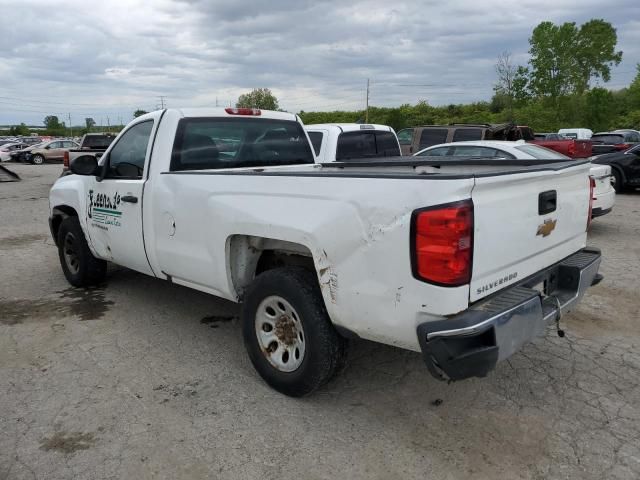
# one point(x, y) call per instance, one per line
point(414, 139)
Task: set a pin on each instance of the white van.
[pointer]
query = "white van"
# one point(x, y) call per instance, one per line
point(576, 133)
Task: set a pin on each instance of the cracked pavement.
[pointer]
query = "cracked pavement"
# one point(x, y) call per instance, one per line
point(143, 379)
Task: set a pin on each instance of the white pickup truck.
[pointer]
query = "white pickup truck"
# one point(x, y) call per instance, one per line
point(464, 261)
point(347, 141)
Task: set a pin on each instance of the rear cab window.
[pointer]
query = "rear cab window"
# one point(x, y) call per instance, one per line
point(97, 141)
point(217, 143)
point(366, 144)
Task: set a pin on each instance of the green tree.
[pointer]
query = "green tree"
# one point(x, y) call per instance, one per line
point(258, 98)
point(20, 130)
point(633, 92)
point(89, 122)
point(138, 113)
point(565, 58)
point(52, 122)
point(598, 109)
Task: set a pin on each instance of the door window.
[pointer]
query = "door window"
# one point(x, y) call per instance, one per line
point(316, 141)
point(405, 136)
point(432, 136)
point(126, 159)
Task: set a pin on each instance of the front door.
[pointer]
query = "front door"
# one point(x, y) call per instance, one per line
point(114, 206)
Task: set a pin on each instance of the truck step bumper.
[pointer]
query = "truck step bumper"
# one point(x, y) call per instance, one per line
point(471, 343)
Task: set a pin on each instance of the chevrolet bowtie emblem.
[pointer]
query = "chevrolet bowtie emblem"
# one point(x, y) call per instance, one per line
point(546, 228)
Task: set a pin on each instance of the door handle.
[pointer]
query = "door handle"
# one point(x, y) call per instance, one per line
point(130, 199)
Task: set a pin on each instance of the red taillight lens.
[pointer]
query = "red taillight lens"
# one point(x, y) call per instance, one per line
point(243, 111)
point(622, 146)
point(66, 160)
point(592, 186)
point(442, 244)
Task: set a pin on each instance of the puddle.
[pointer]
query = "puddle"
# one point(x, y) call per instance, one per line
point(88, 304)
point(214, 320)
point(20, 240)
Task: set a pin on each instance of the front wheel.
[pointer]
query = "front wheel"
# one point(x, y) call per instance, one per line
point(287, 331)
point(37, 159)
point(79, 265)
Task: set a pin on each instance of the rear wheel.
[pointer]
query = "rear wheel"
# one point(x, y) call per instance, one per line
point(79, 265)
point(287, 331)
point(37, 159)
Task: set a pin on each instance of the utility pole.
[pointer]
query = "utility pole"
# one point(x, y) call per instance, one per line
point(366, 112)
point(161, 97)
point(108, 125)
point(217, 102)
point(70, 127)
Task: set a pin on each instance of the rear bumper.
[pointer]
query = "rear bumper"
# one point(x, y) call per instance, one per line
point(603, 202)
point(471, 343)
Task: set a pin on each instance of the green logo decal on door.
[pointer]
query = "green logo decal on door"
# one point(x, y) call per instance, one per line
point(103, 210)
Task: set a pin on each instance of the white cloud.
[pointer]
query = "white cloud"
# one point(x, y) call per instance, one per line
point(109, 58)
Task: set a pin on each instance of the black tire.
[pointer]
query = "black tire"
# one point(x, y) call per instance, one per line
point(37, 159)
point(618, 181)
point(79, 265)
point(325, 349)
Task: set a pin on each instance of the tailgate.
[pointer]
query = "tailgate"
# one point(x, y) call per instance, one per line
point(584, 149)
point(513, 236)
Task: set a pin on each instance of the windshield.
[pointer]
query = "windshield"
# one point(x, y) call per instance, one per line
point(541, 153)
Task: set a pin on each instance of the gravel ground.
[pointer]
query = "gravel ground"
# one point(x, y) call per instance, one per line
point(143, 379)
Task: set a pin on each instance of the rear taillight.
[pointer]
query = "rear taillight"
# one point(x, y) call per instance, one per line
point(622, 146)
point(592, 186)
point(442, 244)
point(243, 111)
point(66, 160)
point(571, 149)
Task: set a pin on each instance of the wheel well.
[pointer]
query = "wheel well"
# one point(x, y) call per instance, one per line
point(249, 256)
point(58, 214)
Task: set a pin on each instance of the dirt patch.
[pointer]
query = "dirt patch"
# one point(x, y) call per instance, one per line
point(88, 304)
point(18, 241)
point(605, 311)
point(68, 443)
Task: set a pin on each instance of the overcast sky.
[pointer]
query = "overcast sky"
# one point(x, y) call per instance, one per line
point(108, 58)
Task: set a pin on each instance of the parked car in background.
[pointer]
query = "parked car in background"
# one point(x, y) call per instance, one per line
point(90, 144)
point(627, 130)
point(576, 133)
point(346, 141)
point(607, 142)
point(547, 136)
point(625, 167)
point(49, 151)
point(604, 194)
point(8, 148)
point(31, 140)
point(418, 138)
point(21, 154)
point(571, 147)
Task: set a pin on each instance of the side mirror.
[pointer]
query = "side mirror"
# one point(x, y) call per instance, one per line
point(47, 147)
point(84, 165)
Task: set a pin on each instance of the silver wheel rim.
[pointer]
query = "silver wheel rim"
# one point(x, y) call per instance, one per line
point(280, 334)
point(38, 160)
point(70, 254)
point(613, 180)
